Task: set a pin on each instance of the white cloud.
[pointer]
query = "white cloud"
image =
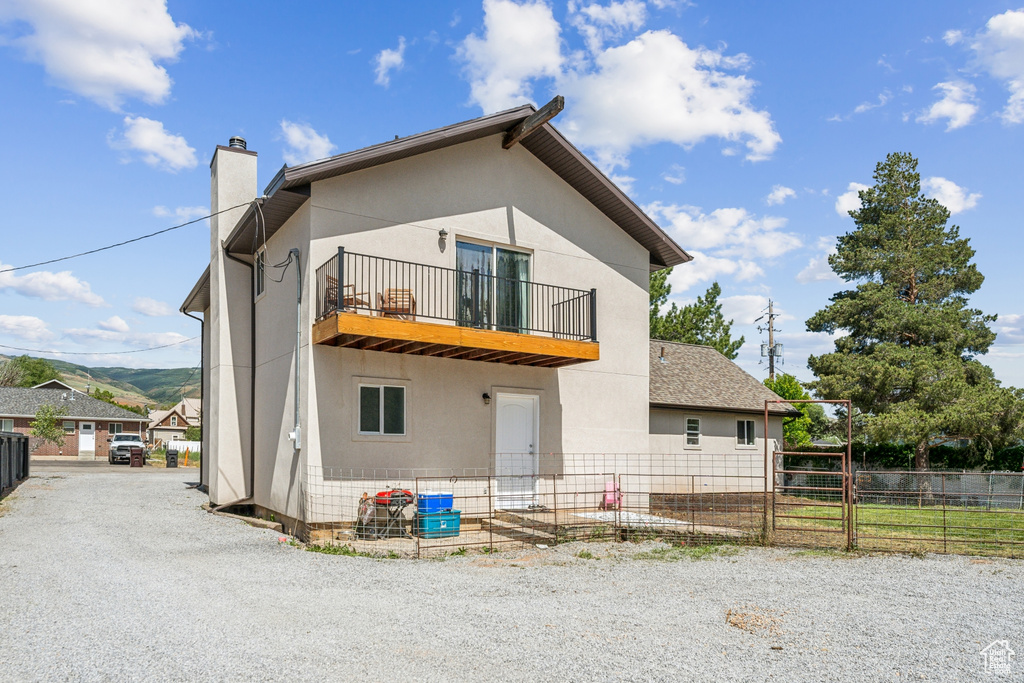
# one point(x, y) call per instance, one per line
point(779, 194)
point(151, 307)
point(304, 143)
point(598, 23)
point(1010, 328)
point(952, 37)
point(105, 50)
point(113, 324)
point(730, 232)
point(949, 194)
point(818, 269)
point(849, 200)
point(182, 213)
point(706, 268)
point(158, 148)
point(26, 327)
point(675, 174)
point(133, 340)
point(389, 60)
point(50, 286)
point(521, 42)
point(999, 50)
point(883, 99)
point(957, 105)
point(654, 88)
point(657, 89)
point(743, 308)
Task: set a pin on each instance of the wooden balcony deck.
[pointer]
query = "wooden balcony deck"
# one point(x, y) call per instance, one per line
point(394, 335)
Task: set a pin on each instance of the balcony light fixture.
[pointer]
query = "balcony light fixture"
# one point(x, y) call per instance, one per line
point(487, 399)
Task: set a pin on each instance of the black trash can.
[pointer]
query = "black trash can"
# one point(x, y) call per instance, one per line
point(172, 457)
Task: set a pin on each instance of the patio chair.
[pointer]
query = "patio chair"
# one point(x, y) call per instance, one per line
point(352, 299)
point(397, 303)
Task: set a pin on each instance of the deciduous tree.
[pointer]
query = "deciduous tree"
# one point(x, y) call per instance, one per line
point(48, 424)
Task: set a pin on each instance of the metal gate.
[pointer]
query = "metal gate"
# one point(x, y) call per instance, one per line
point(810, 506)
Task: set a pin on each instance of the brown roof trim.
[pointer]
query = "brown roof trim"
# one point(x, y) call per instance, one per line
point(198, 300)
point(773, 412)
point(289, 188)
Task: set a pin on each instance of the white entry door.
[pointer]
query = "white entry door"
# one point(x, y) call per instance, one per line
point(87, 441)
point(515, 460)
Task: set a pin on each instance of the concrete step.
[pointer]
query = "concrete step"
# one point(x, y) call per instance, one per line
point(517, 532)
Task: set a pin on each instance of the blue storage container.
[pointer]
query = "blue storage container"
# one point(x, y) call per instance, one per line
point(434, 501)
point(438, 524)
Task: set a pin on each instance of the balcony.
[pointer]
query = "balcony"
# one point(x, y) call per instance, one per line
point(397, 306)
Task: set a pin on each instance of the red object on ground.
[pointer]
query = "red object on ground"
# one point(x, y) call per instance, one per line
point(393, 495)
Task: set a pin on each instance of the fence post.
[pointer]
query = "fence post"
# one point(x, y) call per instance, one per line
point(943, 512)
point(340, 303)
point(593, 315)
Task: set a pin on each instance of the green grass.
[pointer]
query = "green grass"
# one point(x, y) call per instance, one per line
point(910, 528)
point(349, 551)
point(688, 552)
point(586, 555)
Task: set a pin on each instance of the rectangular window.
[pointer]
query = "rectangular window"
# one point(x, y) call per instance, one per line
point(381, 410)
point(494, 287)
point(69, 427)
point(6, 425)
point(115, 427)
point(174, 420)
point(260, 271)
point(745, 432)
point(693, 431)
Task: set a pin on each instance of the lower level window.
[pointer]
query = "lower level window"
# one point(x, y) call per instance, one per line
point(69, 427)
point(6, 425)
point(693, 431)
point(381, 410)
point(115, 427)
point(745, 432)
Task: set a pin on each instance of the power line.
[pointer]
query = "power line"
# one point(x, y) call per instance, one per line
point(96, 353)
point(120, 244)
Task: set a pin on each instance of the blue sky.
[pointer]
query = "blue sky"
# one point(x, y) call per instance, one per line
point(741, 127)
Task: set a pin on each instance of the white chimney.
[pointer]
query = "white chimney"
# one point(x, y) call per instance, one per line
point(232, 184)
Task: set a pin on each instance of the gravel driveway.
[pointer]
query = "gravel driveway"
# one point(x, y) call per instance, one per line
point(116, 574)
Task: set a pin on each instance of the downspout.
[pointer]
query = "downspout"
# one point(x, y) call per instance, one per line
point(296, 435)
point(203, 463)
point(252, 380)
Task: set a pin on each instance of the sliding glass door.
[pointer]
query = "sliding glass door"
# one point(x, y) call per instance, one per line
point(493, 287)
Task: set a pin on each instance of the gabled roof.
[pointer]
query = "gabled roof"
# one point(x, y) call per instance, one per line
point(18, 402)
point(158, 416)
point(290, 187)
point(53, 384)
point(701, 378)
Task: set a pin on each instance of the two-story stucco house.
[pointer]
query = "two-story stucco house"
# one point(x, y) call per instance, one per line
point(458, 298)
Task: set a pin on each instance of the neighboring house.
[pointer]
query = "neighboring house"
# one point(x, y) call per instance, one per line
point(476, 289)
point(703, 403)
point(171, 424)
point(88, 422)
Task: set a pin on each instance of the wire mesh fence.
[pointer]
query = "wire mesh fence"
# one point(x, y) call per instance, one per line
point(525, 500)
point(951, 512)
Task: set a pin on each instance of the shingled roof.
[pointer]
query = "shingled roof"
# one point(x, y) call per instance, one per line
point(699, 377)
point(18, 402)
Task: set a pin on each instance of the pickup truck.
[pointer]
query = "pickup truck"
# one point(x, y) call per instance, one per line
point(121, 447)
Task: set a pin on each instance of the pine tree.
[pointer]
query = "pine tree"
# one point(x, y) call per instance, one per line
point(909, 356)
point(700, 323)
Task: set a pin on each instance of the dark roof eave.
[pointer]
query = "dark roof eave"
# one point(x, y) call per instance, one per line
point(726, 409)
point(201, 287)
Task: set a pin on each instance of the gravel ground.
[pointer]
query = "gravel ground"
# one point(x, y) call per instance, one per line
point(119, 575)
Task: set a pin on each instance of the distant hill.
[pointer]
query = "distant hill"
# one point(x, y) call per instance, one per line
point(152, 387)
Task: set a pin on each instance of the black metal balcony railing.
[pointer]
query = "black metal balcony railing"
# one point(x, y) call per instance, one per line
point(414, 291)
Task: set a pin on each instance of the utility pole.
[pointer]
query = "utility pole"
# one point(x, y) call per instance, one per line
point(771, 349)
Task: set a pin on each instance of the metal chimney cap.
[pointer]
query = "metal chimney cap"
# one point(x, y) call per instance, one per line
point(237, 141)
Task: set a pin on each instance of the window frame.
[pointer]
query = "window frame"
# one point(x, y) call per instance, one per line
point(4, 422)
point(73, 427)
point(174, 420)
point(687, 434)
point(380, 417)
point(750, 434)
point(115, 428)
